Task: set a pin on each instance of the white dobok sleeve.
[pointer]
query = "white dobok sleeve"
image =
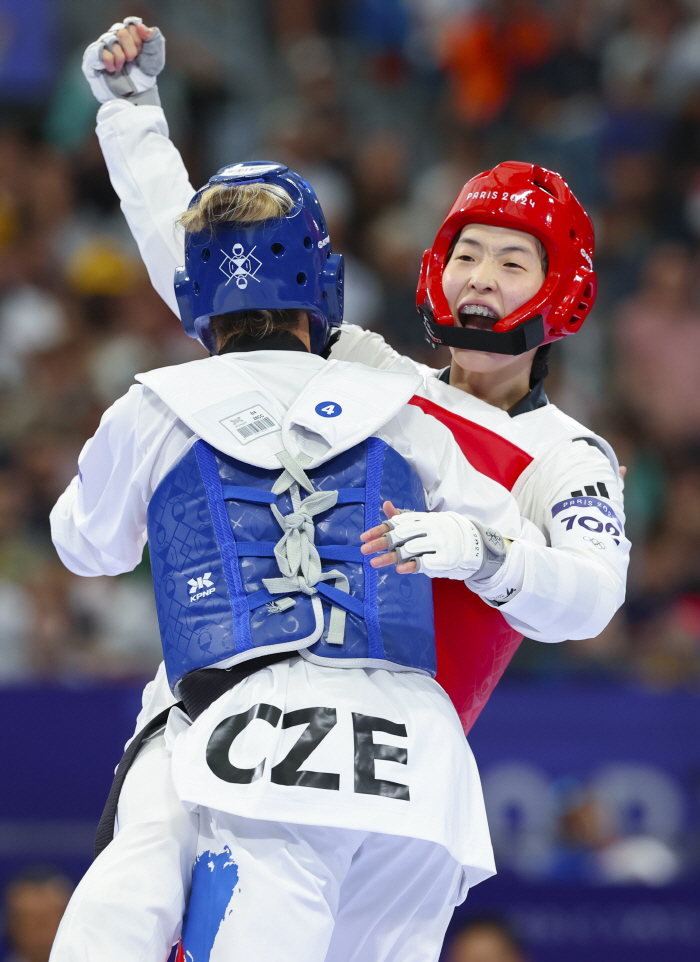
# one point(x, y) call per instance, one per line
point(150, 179)
point(367, 347)
point(451, 483)
point(98, 525)
point(358, 344)
point(572, 586)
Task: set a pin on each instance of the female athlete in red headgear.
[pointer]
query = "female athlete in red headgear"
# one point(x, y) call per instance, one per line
point(526, 199)
point(509, 273)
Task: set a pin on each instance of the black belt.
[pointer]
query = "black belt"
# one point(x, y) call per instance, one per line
point(198, 690)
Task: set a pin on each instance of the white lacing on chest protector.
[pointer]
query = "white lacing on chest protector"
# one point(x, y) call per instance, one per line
point(296, 553)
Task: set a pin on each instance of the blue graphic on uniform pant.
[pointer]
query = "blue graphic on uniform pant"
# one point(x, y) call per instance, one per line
point(214, 880)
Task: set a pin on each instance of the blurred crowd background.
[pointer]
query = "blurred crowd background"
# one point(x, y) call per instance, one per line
point(388, 107)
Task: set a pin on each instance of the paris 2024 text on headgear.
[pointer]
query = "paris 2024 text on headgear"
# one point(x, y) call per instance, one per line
point(279, 264)
point(537, 201)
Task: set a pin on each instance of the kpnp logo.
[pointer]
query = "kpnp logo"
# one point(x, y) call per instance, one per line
point(201, 587)
point(240, 265)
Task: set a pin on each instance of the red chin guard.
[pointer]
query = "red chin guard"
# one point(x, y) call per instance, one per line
point(535, 200)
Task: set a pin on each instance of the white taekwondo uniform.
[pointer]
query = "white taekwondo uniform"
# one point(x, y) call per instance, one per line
point(99, 527)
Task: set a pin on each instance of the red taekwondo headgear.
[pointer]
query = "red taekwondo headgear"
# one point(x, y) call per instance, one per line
point(527, 198)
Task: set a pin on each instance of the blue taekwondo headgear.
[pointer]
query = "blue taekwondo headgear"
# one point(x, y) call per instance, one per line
point(278, 264)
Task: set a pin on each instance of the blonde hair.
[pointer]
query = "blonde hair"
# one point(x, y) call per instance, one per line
point(247, 326)
point(236, 203)
point(242, 204)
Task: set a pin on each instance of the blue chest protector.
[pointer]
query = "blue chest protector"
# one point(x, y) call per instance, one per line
point(212, 533)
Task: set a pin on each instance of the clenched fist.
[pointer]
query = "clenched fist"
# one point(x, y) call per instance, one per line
point(125, 62)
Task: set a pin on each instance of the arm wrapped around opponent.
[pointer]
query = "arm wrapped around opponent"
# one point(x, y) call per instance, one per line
point(445, 545)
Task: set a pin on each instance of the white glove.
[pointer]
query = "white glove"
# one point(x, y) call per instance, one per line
point(446, 545)
point(136, 77)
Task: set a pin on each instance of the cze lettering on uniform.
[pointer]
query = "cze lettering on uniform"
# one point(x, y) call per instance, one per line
point(366, 753)
point(224, 736)
point(318, 721)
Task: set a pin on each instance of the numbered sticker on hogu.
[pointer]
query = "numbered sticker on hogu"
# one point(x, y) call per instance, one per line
point(328, 409)
point(596, 517)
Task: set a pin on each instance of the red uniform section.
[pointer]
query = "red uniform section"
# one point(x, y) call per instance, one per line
point(474, 647)
point(474, 641)
point(491, 454)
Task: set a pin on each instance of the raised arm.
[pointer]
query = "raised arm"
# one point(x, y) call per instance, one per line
point(150, 179)
point(152, 184)
point(144, 165)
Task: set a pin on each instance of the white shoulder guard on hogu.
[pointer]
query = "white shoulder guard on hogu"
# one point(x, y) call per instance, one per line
point(446, 545)
point(136, 79)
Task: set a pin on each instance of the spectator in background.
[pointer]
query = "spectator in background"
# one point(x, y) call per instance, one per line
point(634, 55)
point(484, 51)
point(657, 341)
point(35, 900)
point(485, 939)
point(664, 605)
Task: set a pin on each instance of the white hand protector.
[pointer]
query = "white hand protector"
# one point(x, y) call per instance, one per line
point(446, 545)
point(137, 77)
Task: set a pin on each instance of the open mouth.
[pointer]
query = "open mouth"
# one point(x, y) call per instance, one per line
point(478, 316)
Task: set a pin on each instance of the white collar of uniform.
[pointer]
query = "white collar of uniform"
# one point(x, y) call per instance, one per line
point(212, 395)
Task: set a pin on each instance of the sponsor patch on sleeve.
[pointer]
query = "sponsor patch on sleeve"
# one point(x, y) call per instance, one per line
point(576, 514)
point(585, 502)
